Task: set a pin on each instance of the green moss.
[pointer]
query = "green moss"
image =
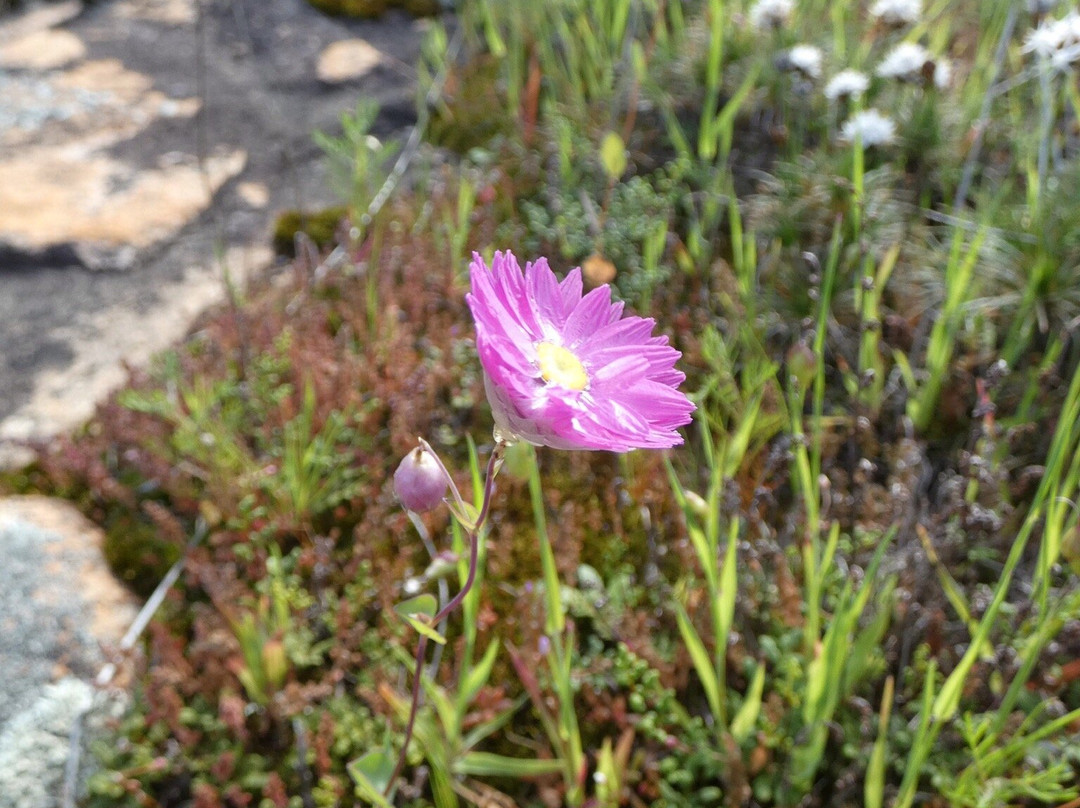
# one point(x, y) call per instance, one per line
point(28, 480)
point(136, 552)
point(320, 226)
point(375, 8)
point(351, 8)
point(420, 8)
point(474, 113)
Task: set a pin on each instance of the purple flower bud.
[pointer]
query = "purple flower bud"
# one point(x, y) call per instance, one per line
point(419, 481)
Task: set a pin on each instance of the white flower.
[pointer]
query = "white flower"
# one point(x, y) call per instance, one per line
point(942, 73)
point(897, 12)
point(847, 84)
point(1071, 23)
point(1057, 40)
point(806, 59)
point(869, 127)
point(1046, 39)
point(770, 13)
point(1061, 60)
point(905, 62)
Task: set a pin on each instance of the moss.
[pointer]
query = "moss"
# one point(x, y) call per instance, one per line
point(375, 8)
point(474, 113)
point(136, 552)
point(420, 8)
point(28, 480)
point(351, 8)
point(320, 226)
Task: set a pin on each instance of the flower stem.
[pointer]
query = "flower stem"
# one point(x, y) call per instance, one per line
point(494, 463)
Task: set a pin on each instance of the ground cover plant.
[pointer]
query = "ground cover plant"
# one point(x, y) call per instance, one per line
point(853, 584)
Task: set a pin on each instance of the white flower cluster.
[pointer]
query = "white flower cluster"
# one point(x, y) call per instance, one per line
point(908, 61)
point(905, 61)
point(770, 13)
point(806, 59)
point(870, 128)
point(847, 84)
point(897, 12)
point(1056, 40)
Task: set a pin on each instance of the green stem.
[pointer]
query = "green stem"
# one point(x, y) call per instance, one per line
point(494, 463)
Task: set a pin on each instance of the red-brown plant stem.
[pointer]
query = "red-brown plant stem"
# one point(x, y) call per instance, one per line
point(421, 647)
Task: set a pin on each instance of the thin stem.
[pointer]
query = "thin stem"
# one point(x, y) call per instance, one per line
point(444, 590)
point(494, 463)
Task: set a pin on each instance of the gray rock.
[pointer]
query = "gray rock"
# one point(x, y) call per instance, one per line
point(119, 116)
point(43, 623)
point(35, 745)
point(60, 607)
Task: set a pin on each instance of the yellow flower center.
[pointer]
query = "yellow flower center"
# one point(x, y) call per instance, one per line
point(559, 366)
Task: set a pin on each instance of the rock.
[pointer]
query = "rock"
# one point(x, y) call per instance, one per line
point(99, 170)
point(254, 194)
point(117, 336)
point(60, 602)
point(60, 607)
point(51, 739)
point(347, 60)
point(42, 50)
point(169, 12)
point(35, 745)
point(39, 18)
point(105, 208)
point(63, 615)
point(102, 207)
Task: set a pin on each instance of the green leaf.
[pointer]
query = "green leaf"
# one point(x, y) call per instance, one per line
point(418, 613)
point(425, 605)
point(613, 155)
point(725, 614)
point(371, 773)
point(482, 731)
point(874, 789)
point(486, 764)
point(449, 716)
point(700, 657)
point(477, 677)
point(423, 628)
point(743, 722)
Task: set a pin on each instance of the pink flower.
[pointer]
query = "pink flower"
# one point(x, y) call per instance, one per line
point(568, 371)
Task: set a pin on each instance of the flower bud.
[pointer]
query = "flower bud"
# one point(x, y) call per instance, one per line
point(419, 482)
